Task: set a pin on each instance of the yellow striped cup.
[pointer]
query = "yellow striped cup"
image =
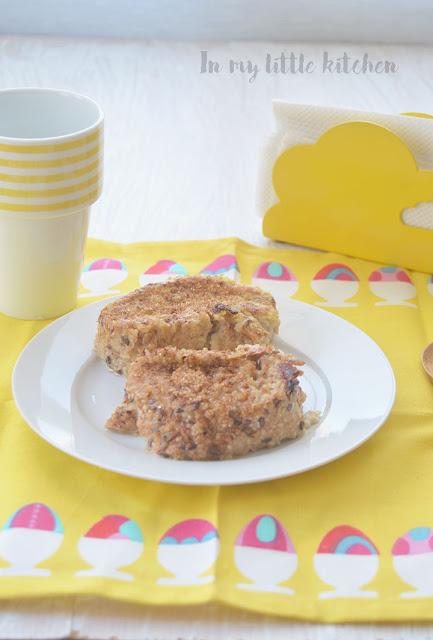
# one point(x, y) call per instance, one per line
point(51, 150)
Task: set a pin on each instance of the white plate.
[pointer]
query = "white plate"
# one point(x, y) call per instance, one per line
point(66, 394)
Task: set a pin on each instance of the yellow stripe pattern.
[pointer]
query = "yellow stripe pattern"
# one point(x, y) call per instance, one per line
point(51, 163)
point(50, 148)
point(55, 206)
point(49, 193)
point(51, 177)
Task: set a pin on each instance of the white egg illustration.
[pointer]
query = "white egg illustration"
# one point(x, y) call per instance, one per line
point(265, 555)
point(100, 275)
point(275, 278)
point(393, 285)
point(31, 535)
point(113, 542)
point(336, 283)
point(187, 550)
point(412, 556)
point(346, 560)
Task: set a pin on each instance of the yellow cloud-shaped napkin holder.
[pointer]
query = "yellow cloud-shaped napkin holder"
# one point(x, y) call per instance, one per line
point(346, 193)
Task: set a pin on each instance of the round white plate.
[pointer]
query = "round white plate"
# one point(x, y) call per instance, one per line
point(66, 393)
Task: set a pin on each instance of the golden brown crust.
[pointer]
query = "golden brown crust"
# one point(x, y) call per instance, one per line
point(194, 312)
point(211, 405)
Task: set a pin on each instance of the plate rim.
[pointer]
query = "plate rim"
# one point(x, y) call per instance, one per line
point(154, 477)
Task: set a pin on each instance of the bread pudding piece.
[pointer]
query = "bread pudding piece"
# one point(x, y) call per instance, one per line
point(193, 312)
point(212, 405)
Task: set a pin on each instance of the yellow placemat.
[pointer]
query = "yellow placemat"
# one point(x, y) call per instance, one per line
point(364, 522)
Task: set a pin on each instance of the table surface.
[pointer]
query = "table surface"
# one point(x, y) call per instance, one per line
point(181, 159)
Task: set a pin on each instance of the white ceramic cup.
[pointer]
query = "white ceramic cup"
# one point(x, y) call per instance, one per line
point(50, 173)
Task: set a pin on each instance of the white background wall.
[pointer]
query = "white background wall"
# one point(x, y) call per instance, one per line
point(393, 21)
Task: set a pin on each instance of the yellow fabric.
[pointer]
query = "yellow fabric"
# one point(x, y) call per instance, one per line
point(383, 488)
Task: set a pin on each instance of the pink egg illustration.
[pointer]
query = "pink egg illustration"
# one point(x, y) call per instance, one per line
point(393, 285)
point(102, 264)
point(31, 535)
point(100, 275)
point(412, 556)
point(346, 559)
point(225, 265)
point(336, 271)
point(187, 550)
point(114, 541)
point(34, 516)
point(161, 271)
point(336, 283)
point(275, 278)
point(265, 554)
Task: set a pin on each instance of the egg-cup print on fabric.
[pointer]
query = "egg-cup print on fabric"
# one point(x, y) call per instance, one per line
point(161, 271)
point(412, 556)
point(346, 560)
point(275, 278)
point(113, 542)
point(393, 285)
point(188, 550)
point(30, 536)
point(99, 276)
point(265, 555)
point(430, 284)
point(336, 283)
point(225, 265)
